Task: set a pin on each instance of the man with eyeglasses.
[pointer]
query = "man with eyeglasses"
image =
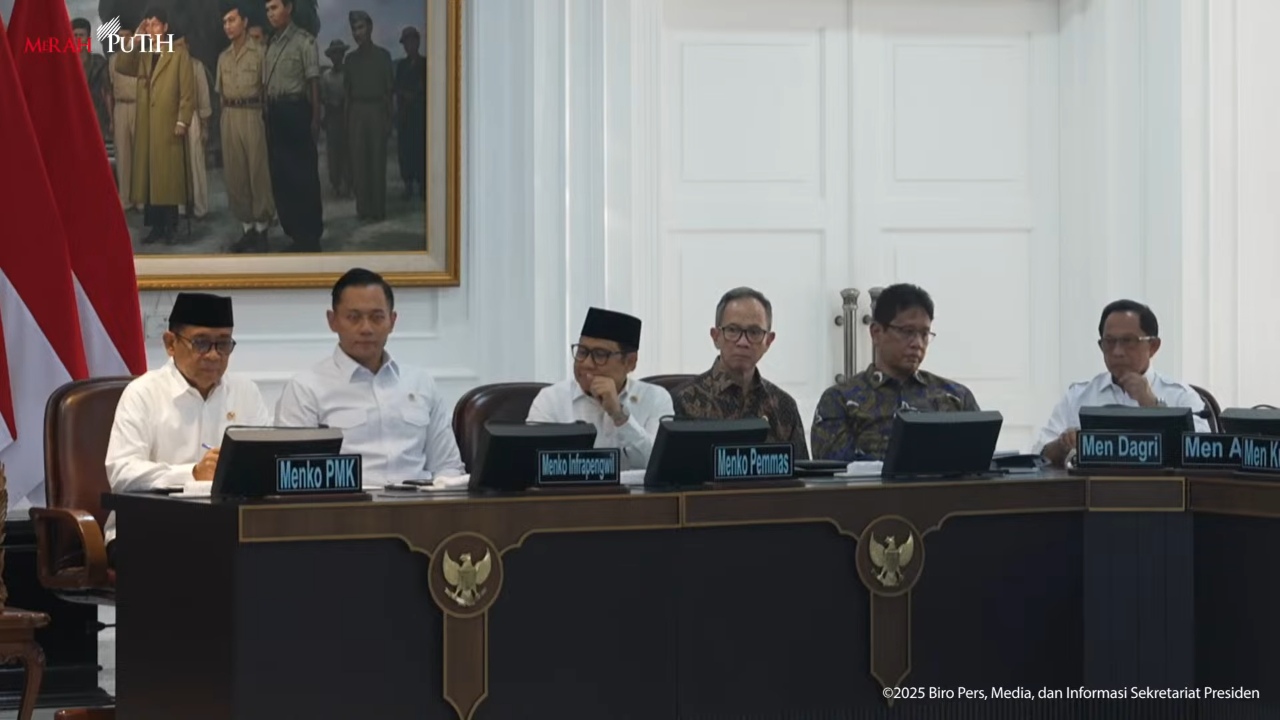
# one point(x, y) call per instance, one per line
point(624, 411)
point(854, 419)
point(1129, 337)
point(733, 388)
point(169, 421)
point(390, 413)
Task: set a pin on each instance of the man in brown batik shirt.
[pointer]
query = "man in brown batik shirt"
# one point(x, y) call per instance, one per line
point(733, 388)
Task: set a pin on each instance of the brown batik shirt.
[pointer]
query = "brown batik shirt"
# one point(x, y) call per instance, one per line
point(713, 395)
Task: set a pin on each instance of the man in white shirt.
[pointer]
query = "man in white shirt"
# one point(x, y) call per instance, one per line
point(1129, 337)
point(390, 414)
point(625, 412)
point(170, 421)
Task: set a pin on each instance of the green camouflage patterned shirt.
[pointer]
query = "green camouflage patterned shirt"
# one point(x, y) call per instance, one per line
point(713, 395)
point(854, 419)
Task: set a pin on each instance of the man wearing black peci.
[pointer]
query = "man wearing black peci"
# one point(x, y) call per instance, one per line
point(291, 76)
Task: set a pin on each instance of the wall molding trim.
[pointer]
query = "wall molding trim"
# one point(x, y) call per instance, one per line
point(443, 374)
point(398, 336)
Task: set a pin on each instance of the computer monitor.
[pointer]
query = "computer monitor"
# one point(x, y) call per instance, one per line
point(507, 453)
point(1170, 422)
point(683, 453)
point(247, 459)
point(927, 445)
point(1263, 422)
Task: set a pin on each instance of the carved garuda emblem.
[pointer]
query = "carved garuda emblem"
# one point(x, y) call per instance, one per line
point(890, 559)
point(465, 580)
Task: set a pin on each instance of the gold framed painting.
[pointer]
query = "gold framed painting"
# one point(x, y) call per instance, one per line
point(324, 135)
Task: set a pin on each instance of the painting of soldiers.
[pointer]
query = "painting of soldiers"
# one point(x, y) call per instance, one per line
point(278, 128)
point(411, 113)
point(247, 177)
point(97, 74)
point(124, 115)
point(197, 137)
point(333, 95)
point(166, 102)
point(368, 79)
point(291, 74)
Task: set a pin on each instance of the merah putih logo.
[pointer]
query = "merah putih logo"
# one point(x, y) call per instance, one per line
point(108, 35)
point(107, 29)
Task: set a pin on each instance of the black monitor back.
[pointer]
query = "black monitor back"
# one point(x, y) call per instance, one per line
point(1170, 422)
point(1263, 422)
point(683, 452)
point(941, 444)
point(507, 453)
point(248, 455)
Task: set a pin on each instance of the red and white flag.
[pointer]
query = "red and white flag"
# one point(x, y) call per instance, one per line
point(84, 187)
point(6, 398)
point(37, 296)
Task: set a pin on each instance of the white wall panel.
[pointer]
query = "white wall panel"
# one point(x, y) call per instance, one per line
point(956, 173)
point(960, 112)
point(575, 196)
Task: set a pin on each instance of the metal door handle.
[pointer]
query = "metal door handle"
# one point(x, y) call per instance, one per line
point(875, 295)
point(870, 317)
point(845, 320)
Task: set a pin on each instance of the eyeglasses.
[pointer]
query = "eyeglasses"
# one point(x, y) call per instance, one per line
point(204, 345)
point(907, 333)
point(599, 356)
point(733, 333)
point(1124, 343)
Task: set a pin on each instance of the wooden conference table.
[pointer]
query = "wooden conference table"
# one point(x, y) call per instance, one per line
point(754, 604)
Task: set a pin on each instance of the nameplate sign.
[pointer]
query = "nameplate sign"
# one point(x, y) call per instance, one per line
point(1107, 448)
point(318, 474)
point(738, 463)
point(1212, 451)
point(561, 468)
point(1260, 454)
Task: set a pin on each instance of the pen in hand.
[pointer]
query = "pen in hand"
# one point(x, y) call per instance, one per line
point(206, 446)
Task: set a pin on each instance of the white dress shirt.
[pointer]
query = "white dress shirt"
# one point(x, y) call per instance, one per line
point(1102, 390)
point(395, 420)
point(565, 402)
point(161, 423)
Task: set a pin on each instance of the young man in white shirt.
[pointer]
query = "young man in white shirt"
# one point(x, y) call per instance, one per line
point(170, 421)
point(625, 412)
point(1129, 337)
point(390, 414)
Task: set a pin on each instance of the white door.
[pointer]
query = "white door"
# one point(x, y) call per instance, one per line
point(810, 146)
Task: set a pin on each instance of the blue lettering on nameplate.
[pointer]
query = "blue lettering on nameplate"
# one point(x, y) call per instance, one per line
point(1212, 450)
point(753, 462)
point(1260, 454)
point(1099, 448)
point(313, 474)
point(600, 466)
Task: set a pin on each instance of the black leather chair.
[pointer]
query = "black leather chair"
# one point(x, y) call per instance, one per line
point(506, 402)
point(1211, 405)
point(670, 382)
